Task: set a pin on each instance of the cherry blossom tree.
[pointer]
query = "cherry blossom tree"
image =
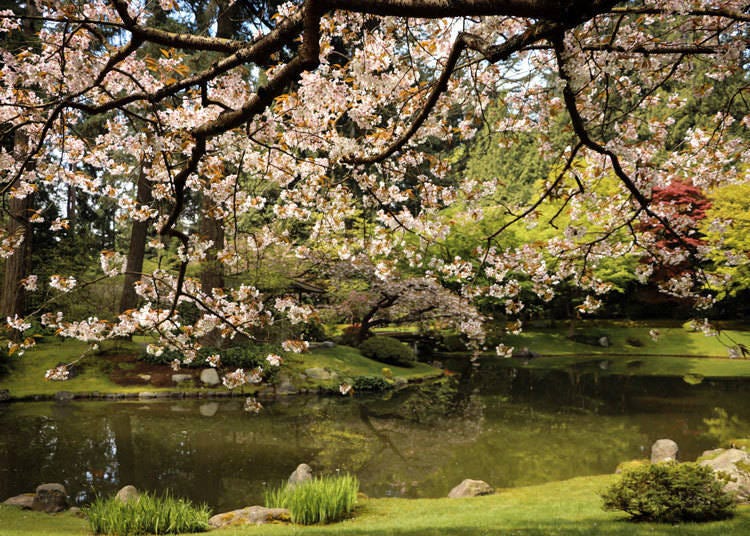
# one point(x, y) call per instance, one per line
point(331, 105)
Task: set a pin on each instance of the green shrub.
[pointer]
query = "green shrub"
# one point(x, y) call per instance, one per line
point(670, 492)
point(370, 383)
point(148, 514)
point(388, 350)
point(320, 500)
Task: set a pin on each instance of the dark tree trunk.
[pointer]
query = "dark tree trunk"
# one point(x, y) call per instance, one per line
point(17, 266)
point(212, 270)
point(137, 249)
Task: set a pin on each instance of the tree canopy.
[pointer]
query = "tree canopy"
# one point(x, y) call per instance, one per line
point(293, 125)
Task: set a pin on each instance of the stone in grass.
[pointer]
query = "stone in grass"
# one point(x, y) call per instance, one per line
point(664, 450)
point(471, 488)
point(23, 501)
point(181, 378)
point(301, 474)
point(50, 498)
point(252, 515)
point(210, 377)
point(128, 493)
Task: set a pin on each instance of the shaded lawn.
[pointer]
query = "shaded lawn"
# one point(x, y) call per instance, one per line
point(568, 508)
point(27, 376)
point(672, 341)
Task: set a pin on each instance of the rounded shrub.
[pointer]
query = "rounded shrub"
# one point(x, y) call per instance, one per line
point(371, 383)
point(388, 350)
point(670, 492)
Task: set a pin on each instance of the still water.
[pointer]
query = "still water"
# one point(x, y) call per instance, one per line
point(506, 426)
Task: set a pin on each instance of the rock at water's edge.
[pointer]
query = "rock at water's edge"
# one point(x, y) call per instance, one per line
point(664, 450)
point(471, 488)
point(50, 498)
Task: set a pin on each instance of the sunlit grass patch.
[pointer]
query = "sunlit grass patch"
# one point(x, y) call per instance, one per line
point(149, 514)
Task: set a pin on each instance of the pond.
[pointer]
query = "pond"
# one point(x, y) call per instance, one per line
point(510, 427)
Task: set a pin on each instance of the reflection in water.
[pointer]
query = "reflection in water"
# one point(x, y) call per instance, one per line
point(508, 427)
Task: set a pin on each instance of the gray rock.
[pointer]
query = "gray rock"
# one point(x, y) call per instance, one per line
point(23, 501)
point(50, 498)
point(252, 515)
point(604, 341)
point(146, 394)
point(327, 344)
point(210, 377)
point(209, 409)
point(302, 473)
point(736, 464)
point(64, 396)
point(318, 373)
point(664, 450)
point(286, 387)
point(128, 493)
point(525, 353)
point(180, 378)
point(471, 488)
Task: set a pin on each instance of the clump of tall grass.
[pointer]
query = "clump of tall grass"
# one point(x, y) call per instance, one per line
point(321, 500)
point(149, 514)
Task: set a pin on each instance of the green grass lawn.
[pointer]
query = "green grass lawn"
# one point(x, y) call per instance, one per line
point(571, 507)
point(27, 376)
point(672, 341)
point(347, 361)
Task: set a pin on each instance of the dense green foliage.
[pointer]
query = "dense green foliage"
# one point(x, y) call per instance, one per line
point(320, 500)
point(148, 514)
point(371, 383)
point(670, 492)
point(388, 350)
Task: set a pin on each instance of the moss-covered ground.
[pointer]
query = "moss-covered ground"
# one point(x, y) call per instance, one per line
point(94, 372)
point(567, 508)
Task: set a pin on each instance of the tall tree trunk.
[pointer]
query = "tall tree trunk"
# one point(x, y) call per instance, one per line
point(17, 266)
point(212, 270)
point(137, 248)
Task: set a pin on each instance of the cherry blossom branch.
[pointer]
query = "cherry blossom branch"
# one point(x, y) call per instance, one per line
point(583, 135)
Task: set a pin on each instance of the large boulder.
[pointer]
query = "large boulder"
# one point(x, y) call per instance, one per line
point(24, 501)
point(50, 498)
point(301, 474)
point(736, 464)
point(128, 493)
point(471, 488)
point(664, 450)
point(252, 515)
point(210, 377)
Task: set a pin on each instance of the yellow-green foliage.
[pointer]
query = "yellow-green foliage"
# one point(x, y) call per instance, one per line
point(320, 500)
point(147, 514)
point(629, 465)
